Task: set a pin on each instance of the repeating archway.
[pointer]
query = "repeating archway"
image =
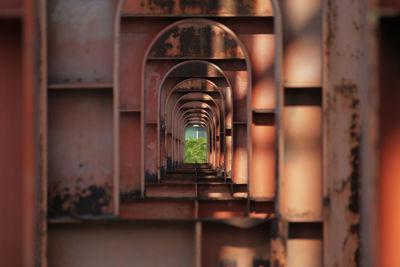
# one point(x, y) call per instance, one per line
point(198, 95)
point(179, 58)
point(194, 42)
point(216, 85)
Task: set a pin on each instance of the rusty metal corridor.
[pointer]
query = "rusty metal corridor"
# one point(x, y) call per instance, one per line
point(297, 98)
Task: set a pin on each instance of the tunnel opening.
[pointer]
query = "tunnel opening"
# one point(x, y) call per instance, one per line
point(196, 144)
point(196, 89)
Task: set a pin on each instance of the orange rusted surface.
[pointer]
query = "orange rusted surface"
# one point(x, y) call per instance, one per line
point(342, 130)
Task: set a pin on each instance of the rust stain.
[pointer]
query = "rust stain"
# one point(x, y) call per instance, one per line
point(350, 93)
point(164, 5)
point(150, 177)
point(77, 201)
point(196, 40)
point(331, 19)
point(354, 205)
point(134, 194)
point(354, 200)
point(205, 7)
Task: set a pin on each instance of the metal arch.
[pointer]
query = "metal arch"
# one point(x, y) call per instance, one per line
point(203, 103)
point(209, 22)
point(227, 95)
point(214, 66)
point(175, 90)
point(179, 114)
point(278, 75)
point(193, 96)
point(176, 111)
point(220, 114)
point(206, 21)
point(229, 101)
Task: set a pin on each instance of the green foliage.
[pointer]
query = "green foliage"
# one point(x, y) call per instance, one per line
point(196, 150)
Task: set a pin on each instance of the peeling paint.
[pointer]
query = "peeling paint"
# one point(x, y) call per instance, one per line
point(165, 5)
point(196, 39)
point(91, 200)
point(204, 7)
point(331, 27)
point(346, 183)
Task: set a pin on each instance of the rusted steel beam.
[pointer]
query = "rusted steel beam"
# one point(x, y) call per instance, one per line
point(214, 190)
point(221, 209)
point(158, 209)
point(192, 8)
point(171, 190)
point(342, 49)
point(163, 208)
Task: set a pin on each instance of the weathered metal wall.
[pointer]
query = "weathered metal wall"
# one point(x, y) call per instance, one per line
point(342, 45)
point(80, 107)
